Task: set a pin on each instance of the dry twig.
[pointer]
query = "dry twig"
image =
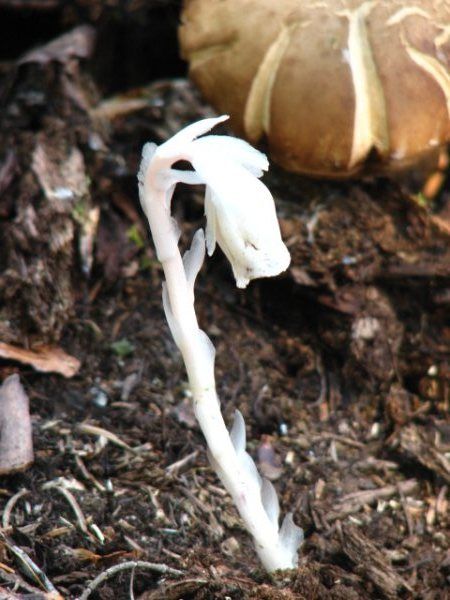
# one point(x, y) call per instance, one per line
point(352, 503)
point(81, 519)
point(132, 564)
point(30, 568)
point(176, 466)
point(9, 507)
point(109, 435)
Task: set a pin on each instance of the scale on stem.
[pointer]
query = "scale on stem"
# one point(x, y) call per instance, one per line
point(241, 219)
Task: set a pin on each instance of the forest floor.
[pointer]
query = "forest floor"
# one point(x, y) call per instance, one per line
point(341, 367)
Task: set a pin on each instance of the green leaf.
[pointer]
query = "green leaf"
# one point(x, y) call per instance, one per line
point(134, 235)
point(122, 348)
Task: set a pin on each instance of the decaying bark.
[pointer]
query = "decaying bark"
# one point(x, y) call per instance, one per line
point(45, 133)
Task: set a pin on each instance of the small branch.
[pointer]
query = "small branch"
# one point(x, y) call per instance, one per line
point(176, 466)
point(326, 435)
point(9, 507)
point(30, 568)
point(17, 582)
point(109, 435)
point(132, 564)
point(81, 519)
point(352, 503)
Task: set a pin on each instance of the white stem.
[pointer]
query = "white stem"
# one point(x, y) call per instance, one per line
point(198, 354)
point(240, 486)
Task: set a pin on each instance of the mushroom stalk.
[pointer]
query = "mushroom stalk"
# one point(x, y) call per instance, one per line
point(254, 498)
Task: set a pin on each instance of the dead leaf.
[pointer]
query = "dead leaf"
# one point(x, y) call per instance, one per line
point(269, 462)
point(83, 554)
point(301, 277)
point(16, 442)
point(184, 413)
point(46, 359)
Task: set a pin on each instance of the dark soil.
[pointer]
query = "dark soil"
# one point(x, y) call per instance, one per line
point(341, 367)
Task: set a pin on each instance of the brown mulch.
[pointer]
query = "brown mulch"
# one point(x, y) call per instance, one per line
point(341, 367)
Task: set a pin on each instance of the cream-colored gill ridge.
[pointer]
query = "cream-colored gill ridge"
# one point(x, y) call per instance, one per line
point(370, 129)
point(444, 36)
point(434, 68)
point(257, 107)
point(405, 12)
point(203, 54)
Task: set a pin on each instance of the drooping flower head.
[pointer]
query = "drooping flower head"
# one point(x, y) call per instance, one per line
point(239, 209)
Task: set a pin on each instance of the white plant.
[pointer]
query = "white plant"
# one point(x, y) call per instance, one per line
point(241, 218)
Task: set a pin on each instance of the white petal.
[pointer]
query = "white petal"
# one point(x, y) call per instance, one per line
point(171, 321)
point(236, 150)
point(270, 502)
point(291, 537)
point(246, 224)
point(237, 432)
point(177, 143)
point(194, 257)
point(210, 214)
point(209, 353)
point(238, 191)
point(190, 177)
point(248, 464)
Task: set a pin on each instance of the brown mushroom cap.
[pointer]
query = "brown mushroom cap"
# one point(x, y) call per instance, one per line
point(330, 83)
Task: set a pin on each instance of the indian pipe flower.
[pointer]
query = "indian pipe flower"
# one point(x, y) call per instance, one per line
point(241, 218)
point(239, 209)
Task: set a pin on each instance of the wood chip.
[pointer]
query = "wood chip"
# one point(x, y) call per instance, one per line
point(371, 563)
point(16, 443)
point(417, 444)
point(352, 503)
point(46, 359)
